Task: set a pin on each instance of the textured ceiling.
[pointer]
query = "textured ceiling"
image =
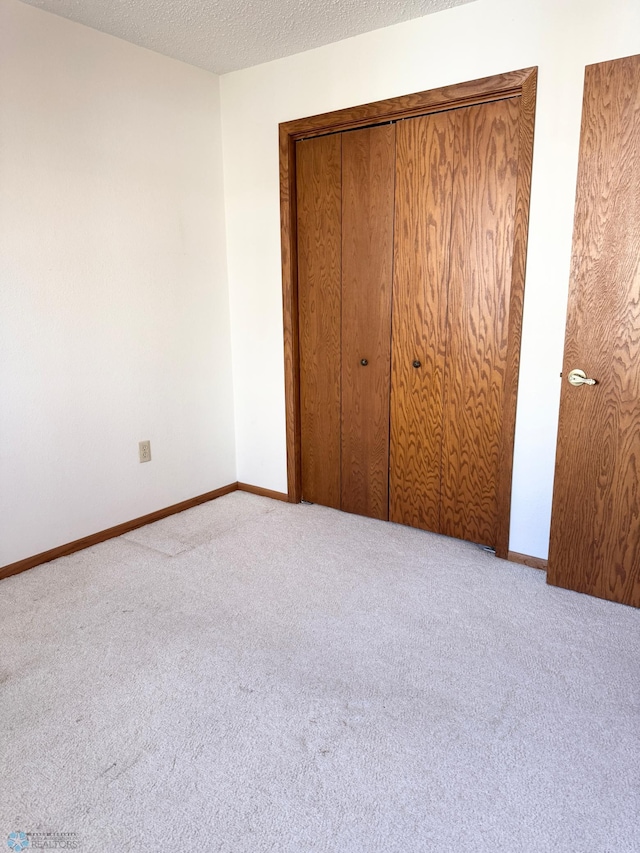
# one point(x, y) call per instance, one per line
point(224, 35)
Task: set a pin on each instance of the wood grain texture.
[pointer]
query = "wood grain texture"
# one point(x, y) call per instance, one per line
point(424, 182)
point(484, 199)
point(111, 532)
point(526, 560)
point(368, 177)
point(470, 92)
point(478, 91)
point(290, 319)
point(265, 493)
point(475, 92)
point(319, 214)
point(595, 531)
point(526, 124)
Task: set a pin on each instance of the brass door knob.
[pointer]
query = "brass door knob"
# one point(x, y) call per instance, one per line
point(579, 377)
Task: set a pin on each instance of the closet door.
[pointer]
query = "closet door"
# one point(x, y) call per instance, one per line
point(368, 175)
point(481, 253)
point(319, 213)
point(455, 202)
point(406, 422)
point(345, 192)
point(424, 179)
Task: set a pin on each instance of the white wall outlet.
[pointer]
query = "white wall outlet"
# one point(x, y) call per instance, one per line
point(144, 449)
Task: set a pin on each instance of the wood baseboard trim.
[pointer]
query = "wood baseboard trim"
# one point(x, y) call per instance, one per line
point(111, 532)
point(526, 560)
point(125, 527)
point(266, 493)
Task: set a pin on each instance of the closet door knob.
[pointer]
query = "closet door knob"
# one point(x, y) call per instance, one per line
point(364, 362)
point(417, 363)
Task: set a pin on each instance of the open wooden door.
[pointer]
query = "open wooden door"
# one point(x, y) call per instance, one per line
point(595, 531)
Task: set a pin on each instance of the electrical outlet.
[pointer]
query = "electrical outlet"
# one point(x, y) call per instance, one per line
point(144, 449)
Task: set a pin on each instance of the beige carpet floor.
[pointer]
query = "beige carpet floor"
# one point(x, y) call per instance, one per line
point(251, 676)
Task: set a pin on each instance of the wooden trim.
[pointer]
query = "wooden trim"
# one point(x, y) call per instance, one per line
point(516, 83)
point(111, 532)
point(266, 493)
point(518, 271)
point(127, 526)
point(526, 560)
point(288, 231)
point(420, 103)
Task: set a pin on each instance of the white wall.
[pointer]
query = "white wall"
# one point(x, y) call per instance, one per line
point(114, 316)
point(483, 38)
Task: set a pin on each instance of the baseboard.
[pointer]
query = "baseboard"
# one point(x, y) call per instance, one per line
point(525, 559)
point(111, 532)
point(125, 527)
point(266, 493)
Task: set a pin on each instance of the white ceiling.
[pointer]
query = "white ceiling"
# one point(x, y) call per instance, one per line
point(224, 35)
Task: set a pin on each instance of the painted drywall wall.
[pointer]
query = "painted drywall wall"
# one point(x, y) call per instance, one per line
point(114, 316)
point(486, 37)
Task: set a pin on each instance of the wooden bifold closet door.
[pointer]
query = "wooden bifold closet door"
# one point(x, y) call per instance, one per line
point(319, 182)
point(454, 245)
point(421, 272)
point(345, 257)
point(405, 243)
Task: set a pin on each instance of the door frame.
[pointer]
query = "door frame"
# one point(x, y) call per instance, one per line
point(498, 87)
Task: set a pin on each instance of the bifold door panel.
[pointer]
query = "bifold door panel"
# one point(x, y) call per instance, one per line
point(484, 192)
point(456, 188)
point(319, 201)
point(368, 178)
point(424, 183)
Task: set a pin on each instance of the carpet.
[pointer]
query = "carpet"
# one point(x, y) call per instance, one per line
point(253, 676)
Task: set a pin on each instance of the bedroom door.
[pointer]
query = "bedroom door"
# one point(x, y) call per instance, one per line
point(595, 531)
